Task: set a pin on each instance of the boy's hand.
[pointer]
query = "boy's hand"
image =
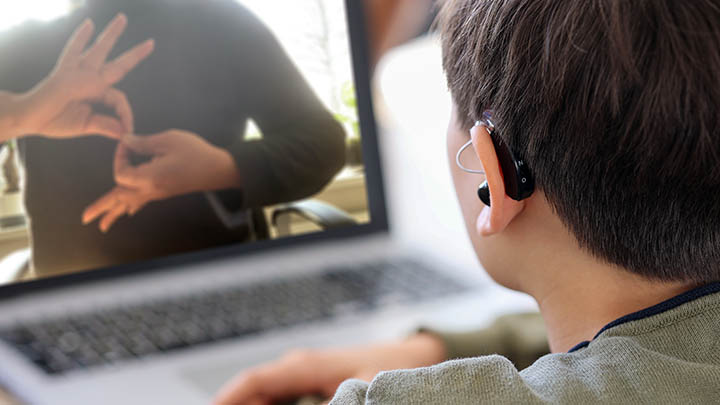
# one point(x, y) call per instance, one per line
point(320, 372)
point(62, 104)
point(181, 163)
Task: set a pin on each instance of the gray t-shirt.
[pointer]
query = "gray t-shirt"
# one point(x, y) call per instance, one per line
point(668, 353)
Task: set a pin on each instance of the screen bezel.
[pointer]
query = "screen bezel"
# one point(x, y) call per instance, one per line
point(355, 17)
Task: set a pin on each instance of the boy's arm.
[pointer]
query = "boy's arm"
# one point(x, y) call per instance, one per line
point(519, 337)
point(310, 372)
point(320, 372)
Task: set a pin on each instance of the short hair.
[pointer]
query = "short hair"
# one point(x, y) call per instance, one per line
point(615, 105)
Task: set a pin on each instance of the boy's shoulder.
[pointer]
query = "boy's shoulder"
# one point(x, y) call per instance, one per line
point(667, 353)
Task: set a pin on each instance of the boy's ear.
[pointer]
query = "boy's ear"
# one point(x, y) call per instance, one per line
point(503, 209)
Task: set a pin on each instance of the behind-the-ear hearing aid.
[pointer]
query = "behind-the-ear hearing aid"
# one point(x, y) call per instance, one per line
point(519, 183)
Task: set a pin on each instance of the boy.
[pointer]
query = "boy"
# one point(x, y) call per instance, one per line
point(614, 107)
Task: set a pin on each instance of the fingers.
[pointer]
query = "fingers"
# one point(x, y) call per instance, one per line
point(147, 145)
point(294, 375)
point(101, 206)
point(111, 216)
point(104, 125)
point(125, 173)
point(243, 389)
point(70, 55)
point(136, 205)
point(121, 161)
point(116, 70)
point(117, 100)
point(112, 206)
point(95, 57)
point(79, 119)
point(109, 126)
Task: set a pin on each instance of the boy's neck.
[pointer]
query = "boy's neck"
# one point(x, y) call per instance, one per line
point(593, 295)
point(577, 293)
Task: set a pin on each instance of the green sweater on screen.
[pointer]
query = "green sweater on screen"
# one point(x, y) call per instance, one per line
point(668, 353)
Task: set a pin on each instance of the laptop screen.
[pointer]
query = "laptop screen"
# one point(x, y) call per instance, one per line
point(166, 131)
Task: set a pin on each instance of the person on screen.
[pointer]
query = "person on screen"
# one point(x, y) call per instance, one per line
point(215, 67)
point(613, 107)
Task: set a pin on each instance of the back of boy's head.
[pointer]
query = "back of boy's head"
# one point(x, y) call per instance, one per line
point(615, 104)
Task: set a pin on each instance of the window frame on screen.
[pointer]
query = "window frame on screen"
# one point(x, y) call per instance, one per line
point(355, 17)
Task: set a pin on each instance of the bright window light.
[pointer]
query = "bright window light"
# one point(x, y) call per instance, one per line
point(17, 12)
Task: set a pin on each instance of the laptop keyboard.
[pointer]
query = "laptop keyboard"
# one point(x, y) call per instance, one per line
point(100, 338)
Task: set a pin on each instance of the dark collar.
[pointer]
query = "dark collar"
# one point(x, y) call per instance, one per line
point(664, 306)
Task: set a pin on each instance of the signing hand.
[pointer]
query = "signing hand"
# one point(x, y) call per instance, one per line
point(181, 163)
point(320, 372)
point(62, 104)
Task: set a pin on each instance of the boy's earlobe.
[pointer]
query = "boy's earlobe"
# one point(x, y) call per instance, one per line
point(495, 218)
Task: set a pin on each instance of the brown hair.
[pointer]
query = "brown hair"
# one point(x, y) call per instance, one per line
point(615, 104)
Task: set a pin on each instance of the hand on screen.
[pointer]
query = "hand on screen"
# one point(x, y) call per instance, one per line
point(320, 372)
point(61, 106)
point(181, 163)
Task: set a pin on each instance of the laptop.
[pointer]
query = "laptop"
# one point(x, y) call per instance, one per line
point(326, 269)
